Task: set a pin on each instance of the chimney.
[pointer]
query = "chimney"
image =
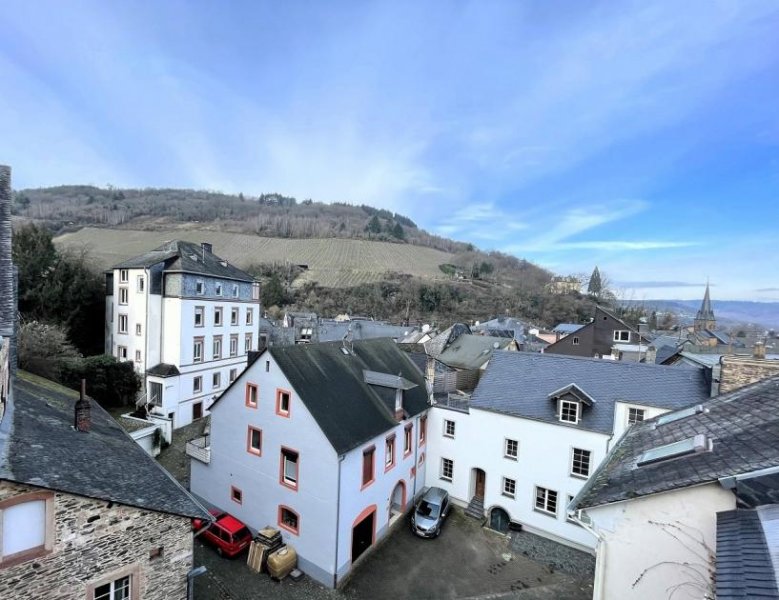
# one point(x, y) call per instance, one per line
point(399, 399)
point(206, 247)
point(82, 418)
point(758, 352)
point(8, 291)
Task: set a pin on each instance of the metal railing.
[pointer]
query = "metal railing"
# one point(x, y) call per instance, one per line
point(199, 449)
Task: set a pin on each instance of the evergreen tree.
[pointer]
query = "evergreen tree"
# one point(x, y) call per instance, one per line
point(595, 286)
point(398, 232)
point(273, 292)
point(374, 226)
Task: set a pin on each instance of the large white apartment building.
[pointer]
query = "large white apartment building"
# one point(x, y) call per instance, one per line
point(187, 319)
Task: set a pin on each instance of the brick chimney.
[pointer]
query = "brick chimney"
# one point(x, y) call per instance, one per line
point(82, 417)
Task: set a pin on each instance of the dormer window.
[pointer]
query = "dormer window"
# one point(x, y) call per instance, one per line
point(621, 336)
point(571, 401)
point(569, 411)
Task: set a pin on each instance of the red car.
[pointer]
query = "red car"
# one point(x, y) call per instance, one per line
point(227, 534)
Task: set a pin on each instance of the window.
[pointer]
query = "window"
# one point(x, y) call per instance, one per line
point(233, 345)
point(119, 589)
point(408, 434)
point(389, 453)
point(289, 520)
point(569, 411)
point(252, 395)
point(267, 366)
point(197, 384)
point(123, 295)
point(233, 375)
point(218, 316)
point(367, 466)
point(580, 462)
point(218, 288)
point(234, 313)
point(509, 487)
point(289, 468)
point(635, 415)
point(124, 275)
point(121, 352)
point(197, 411)
point(235, 290)
point(254, 441)
point(25, 521)
point(247, 343)
point(511, 449)
point(217, 347)
point(138, 329)
point(200, 288)
point(249, 316)
point(122, 323)
point(447, 469)
point(137, 356)
point(216, 380)
point(199, 312)
point(139, 284)
point(546, 501)
point(197, 350)
point(236, 495)
point(448, 428)
point(621, 336)
point(693, 445)
point(282, 403)
point(576, 340)
point(422, 430)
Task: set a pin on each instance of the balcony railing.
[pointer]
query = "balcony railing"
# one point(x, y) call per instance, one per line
point(199, 449)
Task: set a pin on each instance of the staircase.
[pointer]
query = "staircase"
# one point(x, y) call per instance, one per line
point(476, 508)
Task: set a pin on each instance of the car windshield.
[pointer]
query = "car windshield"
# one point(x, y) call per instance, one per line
point(428, 509)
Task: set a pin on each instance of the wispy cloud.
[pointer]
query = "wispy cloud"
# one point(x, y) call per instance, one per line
point(768, 289)
point(484, 221)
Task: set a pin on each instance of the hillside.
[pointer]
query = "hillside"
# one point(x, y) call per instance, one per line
point(728, 312)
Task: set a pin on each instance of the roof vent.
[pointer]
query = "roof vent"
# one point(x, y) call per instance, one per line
point(693, 445)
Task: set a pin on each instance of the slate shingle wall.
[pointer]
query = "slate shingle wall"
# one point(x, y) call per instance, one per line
point(737, 372)
point(91, 541)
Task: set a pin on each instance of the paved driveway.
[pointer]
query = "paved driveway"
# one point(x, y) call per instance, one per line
point(466, 561)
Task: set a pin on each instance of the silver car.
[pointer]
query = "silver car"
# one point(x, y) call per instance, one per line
point(428, 515)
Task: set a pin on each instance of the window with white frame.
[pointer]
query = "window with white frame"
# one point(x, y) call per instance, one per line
point(200, 287)
point(199, 316)
point(217, 347)
point(138, 329)
point(247, 342)
point(121, 352)
point(569, 411)
point(249, 316)
point(233, 374)
point(289, 468)
point(449, 428)
point(389, 452)
point(635, 415)
point(216, 380)
point(123, 295)
point(234, 316)
point(580, 462)
point(511, 449)
point(119, 589)
point(122, 323)
point(621, 335)
point(408, 436)
point(218, 288)
point(218, 316)
point(137, 356)
point(546, 500)
point(197, 350)
point(140, 284)
point(124, 275)
point(509, 487)
point(197, 384)
point(576, 340)
point(233, 345)
point(235, 290)
point(447, 469)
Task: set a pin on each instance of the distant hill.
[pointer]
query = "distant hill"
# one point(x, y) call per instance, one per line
point(728, 312)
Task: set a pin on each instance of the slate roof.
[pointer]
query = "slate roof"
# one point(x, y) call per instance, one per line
point(331, 331)
point(567, 327)
point(472, 351)
point(187, 257)
point(742, 425)
point(332, 386)
point(439, 343)
point(748, 554)
point(519, 383)
point(44, 450)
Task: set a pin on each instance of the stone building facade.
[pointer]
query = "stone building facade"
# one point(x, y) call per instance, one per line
point(738, 371)
point(93, 543)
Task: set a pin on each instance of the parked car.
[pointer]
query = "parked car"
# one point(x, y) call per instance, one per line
point(227, 534)
point(429, 514)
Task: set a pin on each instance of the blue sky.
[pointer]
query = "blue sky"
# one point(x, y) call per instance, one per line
point(641, 137)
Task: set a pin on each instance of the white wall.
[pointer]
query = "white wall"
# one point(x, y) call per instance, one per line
point(656, 536)
point(621, 416)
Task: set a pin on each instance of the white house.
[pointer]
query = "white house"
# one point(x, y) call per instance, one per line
point(187, 319)
point(536, 427)
point(684, 506)
point(325, 441)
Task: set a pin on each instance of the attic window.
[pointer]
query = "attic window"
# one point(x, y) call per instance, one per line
point(199, 288)
point(621, 336)
point(569, 411)
point(680, 414)
point(218, 289)
point(693, 445)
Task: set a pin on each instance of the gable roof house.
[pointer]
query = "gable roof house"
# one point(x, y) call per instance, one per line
point(84, 512)
point(324, 441)
point(536, 427)
point(686, 487)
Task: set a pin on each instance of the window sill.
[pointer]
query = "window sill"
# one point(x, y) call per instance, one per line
point(289, 529)
point(446, 435)
point(367, 484)
point(545, 512)
point(514, 458)
point(447, 479)
point(289, 486)
point(512, 496)
point(577, 476)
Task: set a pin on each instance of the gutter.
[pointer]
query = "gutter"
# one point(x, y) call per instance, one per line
point(337, 521)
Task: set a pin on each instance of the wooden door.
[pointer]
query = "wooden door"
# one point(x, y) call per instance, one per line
point(481, 476)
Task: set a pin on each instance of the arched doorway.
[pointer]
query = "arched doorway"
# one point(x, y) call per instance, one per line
point(397, 501)
point(479, 482)
point(363, 532)
point(499, 520)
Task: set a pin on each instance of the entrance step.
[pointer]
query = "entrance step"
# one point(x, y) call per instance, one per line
point(475, 508)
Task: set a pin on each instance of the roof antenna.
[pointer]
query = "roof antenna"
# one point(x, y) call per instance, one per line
point(347, 340)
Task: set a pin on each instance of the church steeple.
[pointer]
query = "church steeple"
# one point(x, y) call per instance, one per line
point(705, 317)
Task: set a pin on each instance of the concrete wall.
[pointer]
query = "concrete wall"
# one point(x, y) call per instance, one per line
point(739, 371)
point(649, 540)
point(92, 541)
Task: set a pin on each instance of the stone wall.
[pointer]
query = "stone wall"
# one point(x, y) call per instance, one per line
point(740, 371)
point(92, 541)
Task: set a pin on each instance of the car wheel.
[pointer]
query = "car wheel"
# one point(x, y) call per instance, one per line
point(437, 532)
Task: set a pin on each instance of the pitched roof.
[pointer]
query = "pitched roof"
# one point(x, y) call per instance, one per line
point(567, 327)
point(518, 383)
point(742, 425)
point(470, 351)
point(705, 312)
point(748, 553)
point(44, 450)
point(187, 257)
point(332, 386)
point(439, 343)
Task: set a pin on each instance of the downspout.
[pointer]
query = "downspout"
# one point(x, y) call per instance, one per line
point(337, 521)
point(600, 556)
point(147, 289)
point(415, 437)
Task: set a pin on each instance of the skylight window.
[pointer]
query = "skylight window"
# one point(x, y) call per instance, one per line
point(680, 414)
point(693, 445)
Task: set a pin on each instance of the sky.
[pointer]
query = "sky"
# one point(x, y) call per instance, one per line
point(641, 137)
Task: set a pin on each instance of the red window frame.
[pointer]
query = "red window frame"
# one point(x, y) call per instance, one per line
point(234, 489)
point(370, 451)
point(283, 413)
point(390, 440)
point(282, 481)
point(408, 440)
point(422, 430)
point(249, 448)
point(283, 525)
point(256, 388)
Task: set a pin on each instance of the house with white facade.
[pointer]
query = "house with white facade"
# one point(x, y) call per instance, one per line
point(187, 319)
point(536, 428)
point(686, 505)
point(324, 441)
